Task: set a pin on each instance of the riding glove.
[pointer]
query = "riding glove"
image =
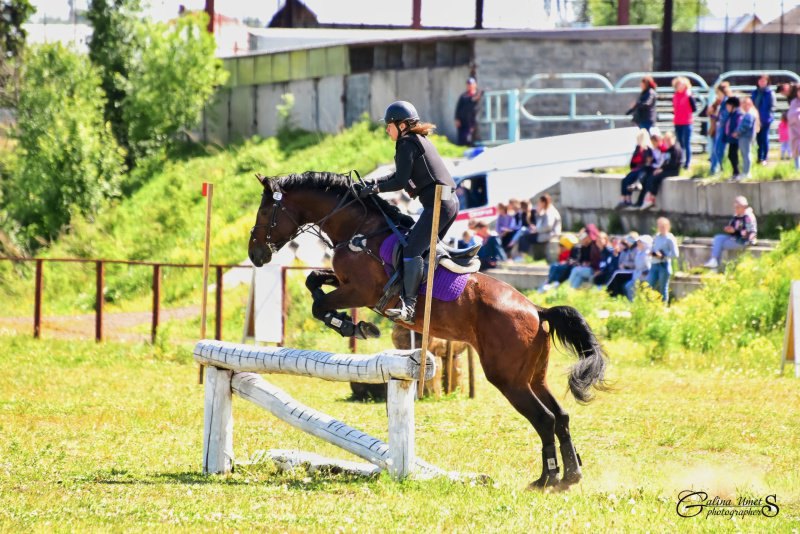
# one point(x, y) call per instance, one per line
point(368, 190)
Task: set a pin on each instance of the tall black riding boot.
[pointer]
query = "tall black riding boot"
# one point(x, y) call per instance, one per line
point(412, 278)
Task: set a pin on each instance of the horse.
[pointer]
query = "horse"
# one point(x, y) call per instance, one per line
point(511, 334)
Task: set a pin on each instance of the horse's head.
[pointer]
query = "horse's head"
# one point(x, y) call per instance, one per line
point(275, 224)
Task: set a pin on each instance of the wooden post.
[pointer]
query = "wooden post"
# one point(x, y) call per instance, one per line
point(449, 367)
point(218, 422)
point(471, 369)
point(426, 322)
point(218, 307)
point(791, 339)
point(353, 340)
point(37, 300)
point(284, 305)
point(400, 409)
point(208, 192)
point(98, 301)
point(156, 302)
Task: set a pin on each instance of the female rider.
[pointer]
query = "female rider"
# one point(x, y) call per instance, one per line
point(418, 168)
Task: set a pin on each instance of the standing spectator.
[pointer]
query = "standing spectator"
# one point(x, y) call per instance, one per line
point(589, 263)
point(642, 157)
point(683, 107)
point(730, 135)
point(491, 252)
point(548, 226)
point(665, 248)
point(568, 255)
point(644, 109)
point(467, 113)
point(764, 100)
point(741, 231)
point(720, 118)
point(670, 166)
point(793, 121)
point(642, 262)
point(783, 136)
point(746, 132)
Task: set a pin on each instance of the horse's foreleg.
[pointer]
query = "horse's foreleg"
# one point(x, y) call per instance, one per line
point(343, 297)
point(316, 279)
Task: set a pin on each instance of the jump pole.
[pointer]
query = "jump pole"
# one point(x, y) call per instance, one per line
point(208, 192)
point(426, 321)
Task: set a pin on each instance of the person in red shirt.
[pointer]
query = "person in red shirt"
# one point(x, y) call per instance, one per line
point(683, 108)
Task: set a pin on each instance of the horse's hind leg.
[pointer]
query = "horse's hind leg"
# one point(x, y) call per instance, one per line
point(569, 458)
point(528, 404)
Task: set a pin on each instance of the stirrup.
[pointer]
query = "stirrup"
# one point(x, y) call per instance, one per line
point(405, 313)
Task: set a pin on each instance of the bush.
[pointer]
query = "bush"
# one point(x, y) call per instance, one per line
point(67, 161)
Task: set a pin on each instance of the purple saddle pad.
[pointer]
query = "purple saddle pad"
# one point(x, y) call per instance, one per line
point(447, 285)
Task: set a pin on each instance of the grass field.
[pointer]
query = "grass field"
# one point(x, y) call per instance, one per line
point(108, 437)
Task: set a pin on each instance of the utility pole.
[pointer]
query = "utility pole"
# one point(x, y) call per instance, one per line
point(209, 9)
point(666, 38)
point(478, 14)
point(416, 17)
point(623, 12)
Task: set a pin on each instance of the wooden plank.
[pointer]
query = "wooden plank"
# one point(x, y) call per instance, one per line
point(208, 192)
point(298, 65)
point(100, 283)
point(37, 299)
point(369, 368)
point(280, 67)
point(400, 410)
point(471, 370)
point(426, 321)
point(448, 365)
point(218, 422)
point(263, 69)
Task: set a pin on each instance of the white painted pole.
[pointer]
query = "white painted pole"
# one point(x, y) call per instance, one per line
point(218, 422)
point(400, 408)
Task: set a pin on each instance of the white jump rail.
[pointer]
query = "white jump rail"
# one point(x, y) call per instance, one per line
point(231, 368)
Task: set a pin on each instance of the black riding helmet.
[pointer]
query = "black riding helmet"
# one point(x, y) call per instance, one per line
point(400, 111)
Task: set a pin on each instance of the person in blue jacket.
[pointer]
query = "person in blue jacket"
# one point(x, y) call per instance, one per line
point(764, 100)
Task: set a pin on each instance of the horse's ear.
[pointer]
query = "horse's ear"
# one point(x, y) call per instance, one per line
point(263, 180)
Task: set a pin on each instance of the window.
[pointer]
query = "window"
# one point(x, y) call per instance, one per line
point(471, 192)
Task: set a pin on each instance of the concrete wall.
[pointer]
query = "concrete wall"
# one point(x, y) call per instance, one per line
point(693, 209)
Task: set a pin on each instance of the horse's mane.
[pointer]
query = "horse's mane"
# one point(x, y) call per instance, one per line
point(340, 184)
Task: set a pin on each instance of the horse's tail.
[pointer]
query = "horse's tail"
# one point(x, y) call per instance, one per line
point(569, 327)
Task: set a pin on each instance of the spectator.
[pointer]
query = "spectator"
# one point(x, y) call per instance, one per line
point(467, 113)
point(641, 265)
point(793, 122)
point(746, 132)
point(524, 221)
point(783, 136)
point(467, 240)
point(764, 100)
point(642, 157)
point(670, 166)
point(683, 107)
point(665, 248)
point(741, 231)
point(720, 118)
point(644, 109)
point(491, 252)
point(730, 135)
point(609, 259)
point(589, 263)
point(548, 226)
point(505, 221)
point(568, 256)
point(625, 265)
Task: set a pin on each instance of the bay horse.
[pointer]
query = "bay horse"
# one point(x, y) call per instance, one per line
point(511, 334)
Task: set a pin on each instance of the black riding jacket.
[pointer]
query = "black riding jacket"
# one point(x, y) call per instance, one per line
point(418, 167)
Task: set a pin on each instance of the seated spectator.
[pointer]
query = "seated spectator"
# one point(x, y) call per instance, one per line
point(625, 265)
point(547, 227)
point(491, 252)
point(609, 259)
point(741, 231)
point(641, 159)
point(568, 255)
point(506, 224)
point(665, 248)
point(670, 166)
point(467, 240)
point(525, 222)
point(641, 265)
point(589, 263)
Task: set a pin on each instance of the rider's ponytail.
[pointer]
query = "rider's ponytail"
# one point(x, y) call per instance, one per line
point(422, 128)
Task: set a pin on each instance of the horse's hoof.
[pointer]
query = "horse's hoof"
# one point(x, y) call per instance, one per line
point(365, 330)
point(570, 479)
point(545, 483)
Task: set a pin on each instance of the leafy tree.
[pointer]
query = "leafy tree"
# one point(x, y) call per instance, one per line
point(112, 44)
point(170, 78)
point(604, 12)
point(67, 160)
point(13, 14)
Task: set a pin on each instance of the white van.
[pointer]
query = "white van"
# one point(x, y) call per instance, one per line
point(527, 168)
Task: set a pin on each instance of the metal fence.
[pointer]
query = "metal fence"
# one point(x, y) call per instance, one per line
point(505, 112)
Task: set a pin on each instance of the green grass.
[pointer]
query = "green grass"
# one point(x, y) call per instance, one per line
point(108, 437)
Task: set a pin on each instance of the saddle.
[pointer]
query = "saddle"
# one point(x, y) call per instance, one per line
point(458, 261)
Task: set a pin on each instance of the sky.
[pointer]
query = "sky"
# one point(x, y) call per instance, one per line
point(456, 13)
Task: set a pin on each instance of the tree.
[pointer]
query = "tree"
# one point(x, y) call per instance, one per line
point(67, 160)
point(170, 78)
point(13, 14)
point(604, 12)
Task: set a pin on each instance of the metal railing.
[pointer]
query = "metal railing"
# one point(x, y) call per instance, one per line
point(508, 110)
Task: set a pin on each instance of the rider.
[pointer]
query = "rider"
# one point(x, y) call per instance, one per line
point(418, 169)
